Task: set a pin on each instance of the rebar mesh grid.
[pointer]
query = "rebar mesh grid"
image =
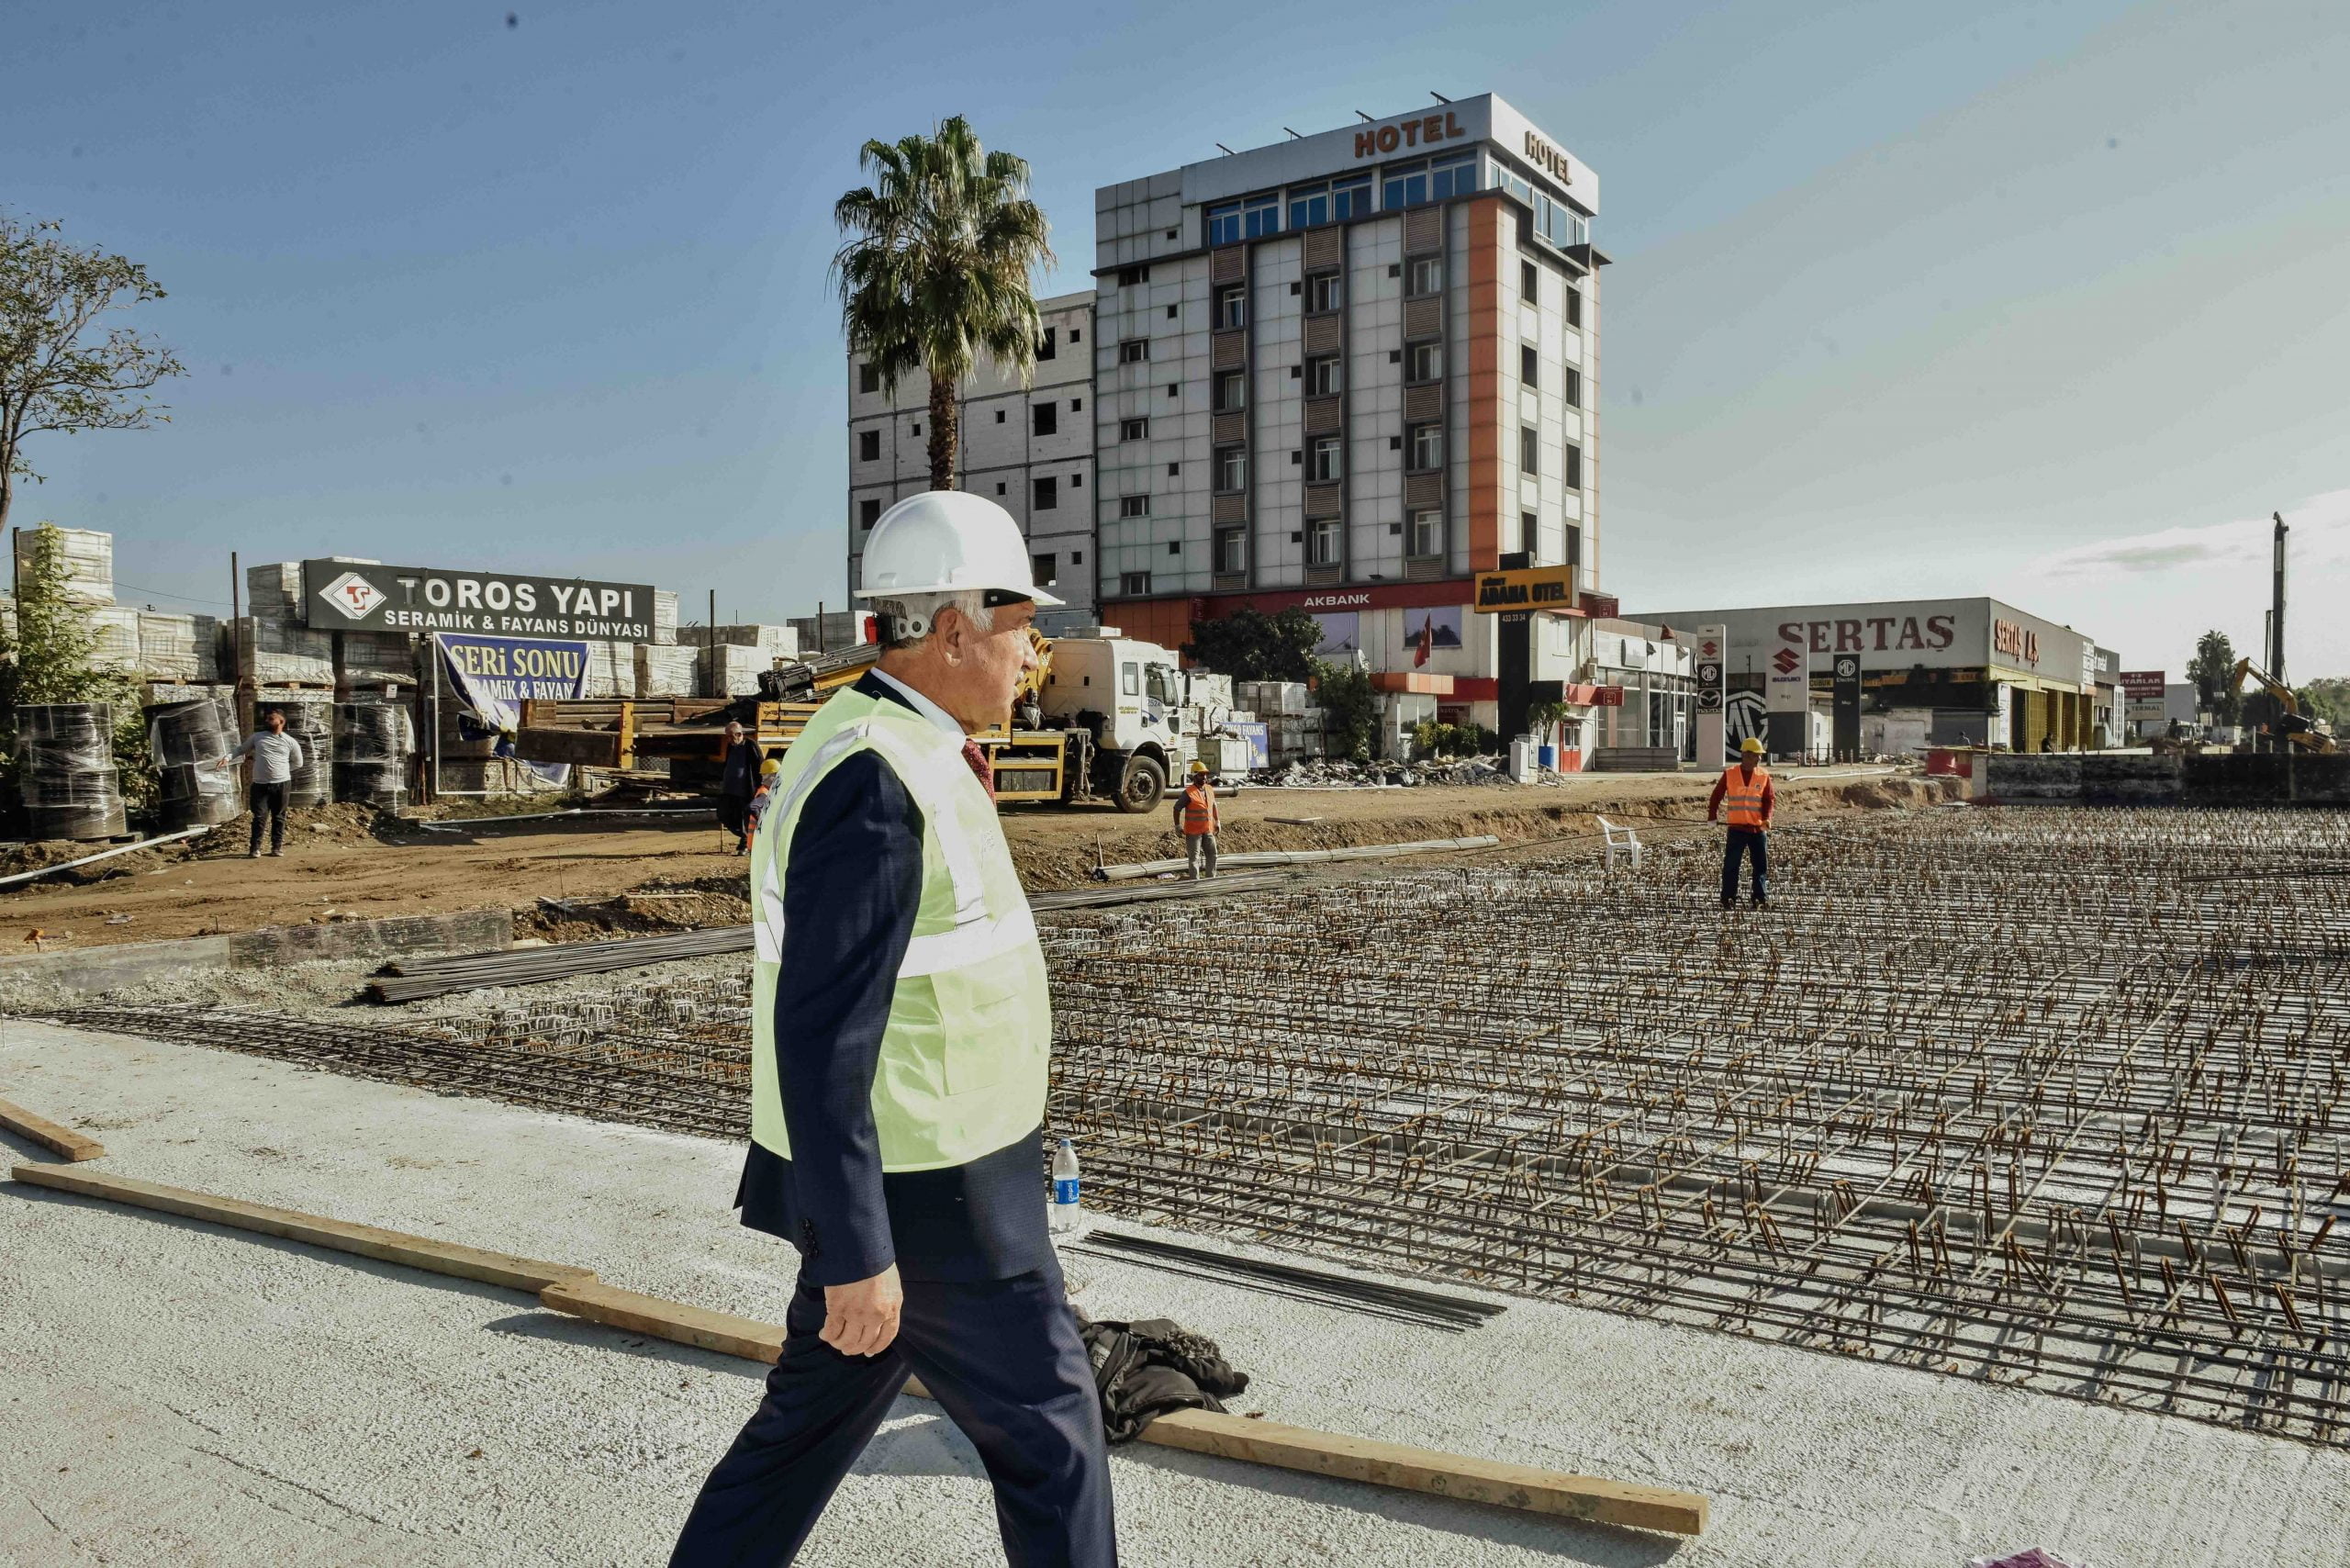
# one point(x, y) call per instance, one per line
point(2010, 1094)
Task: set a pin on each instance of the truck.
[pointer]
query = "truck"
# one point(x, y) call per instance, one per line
point(1107, 717)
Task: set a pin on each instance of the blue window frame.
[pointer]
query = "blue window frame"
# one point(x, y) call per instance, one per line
point(1261, 216)
point(1309, 205)
point(1223, 223)
point(1405, 186)
point(1452, 176)
point(1350, 197)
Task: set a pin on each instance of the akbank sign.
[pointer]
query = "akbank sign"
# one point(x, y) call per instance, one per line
point(341, 596)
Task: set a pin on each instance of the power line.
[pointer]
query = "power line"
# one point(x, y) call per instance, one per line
point(183, 598)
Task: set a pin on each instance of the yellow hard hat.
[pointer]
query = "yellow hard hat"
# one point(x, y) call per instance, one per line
point(1752, 744)
point(1198, 766)
point(769, 768)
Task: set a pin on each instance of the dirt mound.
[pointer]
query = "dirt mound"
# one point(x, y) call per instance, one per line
point(658, 907)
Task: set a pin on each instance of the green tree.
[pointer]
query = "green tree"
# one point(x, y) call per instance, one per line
point(47, 655)
point(58, 370)
point(935, 271)
point(1349, 707)
point(1249, 644)
point(2213, 671)
point(2328, 699)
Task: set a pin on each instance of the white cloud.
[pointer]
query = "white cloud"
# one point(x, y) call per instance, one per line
point(2171, 583)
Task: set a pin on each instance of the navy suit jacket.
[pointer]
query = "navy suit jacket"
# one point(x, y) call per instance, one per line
point(852, 882)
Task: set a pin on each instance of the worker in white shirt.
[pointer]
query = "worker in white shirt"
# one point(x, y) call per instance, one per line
point(276, 755)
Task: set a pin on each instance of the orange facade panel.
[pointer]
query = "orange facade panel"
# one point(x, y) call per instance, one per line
point(1485, 214)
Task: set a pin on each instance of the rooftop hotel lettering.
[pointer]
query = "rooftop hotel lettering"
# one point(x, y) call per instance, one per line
point(1374, 140)
point(1544, 156)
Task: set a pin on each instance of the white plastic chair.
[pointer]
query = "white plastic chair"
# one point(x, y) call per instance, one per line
point(1621, 841)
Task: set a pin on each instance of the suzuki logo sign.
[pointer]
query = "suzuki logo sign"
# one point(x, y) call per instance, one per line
point(1786, 661)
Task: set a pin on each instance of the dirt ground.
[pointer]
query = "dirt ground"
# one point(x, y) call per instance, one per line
point(581, 877)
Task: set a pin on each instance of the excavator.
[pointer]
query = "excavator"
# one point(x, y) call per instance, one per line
point(2276, 711)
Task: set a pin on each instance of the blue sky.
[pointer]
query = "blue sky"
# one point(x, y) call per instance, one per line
point(2043, 301)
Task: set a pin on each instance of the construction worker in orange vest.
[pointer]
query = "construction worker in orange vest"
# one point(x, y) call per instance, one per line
point(1195, 814)
point(1745, 789)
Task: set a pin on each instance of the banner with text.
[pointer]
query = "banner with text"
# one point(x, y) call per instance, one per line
point(495, 675)
point(344, 596)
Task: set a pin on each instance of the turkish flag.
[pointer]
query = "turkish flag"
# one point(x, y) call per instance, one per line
point(1427, 643)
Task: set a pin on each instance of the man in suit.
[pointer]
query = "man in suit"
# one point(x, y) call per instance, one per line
point(902, 1029)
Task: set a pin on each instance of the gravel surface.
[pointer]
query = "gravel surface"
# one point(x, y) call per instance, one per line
point(174, 1393)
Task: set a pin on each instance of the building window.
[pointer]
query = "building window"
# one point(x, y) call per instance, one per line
point(1261, 216)
point(1041, 570)
point(1231, 391)
point(1452, 176)
point(1231, 550)
point(1572, 388)
point(1529, 366)
point(868, 512)
point(1232, 307)
point(998, 416)
point(1223, 223)
point(1407, 187)
point(1574, 308)
point(1174, 548)
point(1133, 430)
point(1425, 276)
point(1528, 451)
point(1077, 481)
point(1574, 545)
point(1424, 361)
point(1134, 506)
point(868, 378)
point(1322, 375)
point(1322, 543)
point(1133, 351)
point(1134, 584)
point(1529, 533)
point(1046, 495)
point(1327, 462)
point(1530, 283)
point(1428, 447)
point(1045, 351)
point(1046, 418)
point(1075, 335)
point(1350, 197)
point(917, 428)
point(1174, 389)
point(1323, 292)
point(1077, 405)
point(1230, 469)
point(869, 446)
point(1573, 468)
point(1428, 532)
point(1309, 205)
point(1129, 276)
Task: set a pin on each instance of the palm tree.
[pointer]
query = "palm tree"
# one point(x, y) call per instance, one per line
point(935, 270)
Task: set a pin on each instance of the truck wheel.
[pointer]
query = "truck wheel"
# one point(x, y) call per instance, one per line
point(1142, 785)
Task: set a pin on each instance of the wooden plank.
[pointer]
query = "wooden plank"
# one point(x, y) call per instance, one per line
point(503, 1268)
point(720, 1332)
point(1426, 1470)
point(58, 1140)
point(1332, 1454)
point(583, 748)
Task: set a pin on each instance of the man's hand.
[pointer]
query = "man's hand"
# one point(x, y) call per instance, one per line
point(861, 1319)
point(1712, 817)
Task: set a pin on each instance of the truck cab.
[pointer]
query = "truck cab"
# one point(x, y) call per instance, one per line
point(1129, 696)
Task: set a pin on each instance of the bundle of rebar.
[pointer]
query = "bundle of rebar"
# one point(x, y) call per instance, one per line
point(1429, 1309)
point(416, 979)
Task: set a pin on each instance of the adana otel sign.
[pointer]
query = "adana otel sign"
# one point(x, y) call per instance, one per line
point(1532, 588)
point(339, 596)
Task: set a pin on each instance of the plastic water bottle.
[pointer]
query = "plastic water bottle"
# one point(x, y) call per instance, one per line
point(1065, 1188)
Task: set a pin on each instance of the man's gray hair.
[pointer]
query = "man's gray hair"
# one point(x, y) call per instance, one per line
point(907, 621)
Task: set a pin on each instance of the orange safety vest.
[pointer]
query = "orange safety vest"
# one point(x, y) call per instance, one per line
point(1743, 796)
point(1199, 810)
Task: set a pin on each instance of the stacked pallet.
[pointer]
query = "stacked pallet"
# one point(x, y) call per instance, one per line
point(611, 671)
point(733, 669)
point(779, 642)
point(179, 647)
point(89, 562)
point(664, 671)
point(278, 653)
point(664, 616)
point(114, 636)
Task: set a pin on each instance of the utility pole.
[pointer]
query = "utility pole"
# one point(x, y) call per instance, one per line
point(2276, 604)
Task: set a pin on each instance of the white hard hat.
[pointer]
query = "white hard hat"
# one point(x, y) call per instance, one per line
point(948, 542)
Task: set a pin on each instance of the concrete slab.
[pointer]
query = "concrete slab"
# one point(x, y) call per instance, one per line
point(178, 1394)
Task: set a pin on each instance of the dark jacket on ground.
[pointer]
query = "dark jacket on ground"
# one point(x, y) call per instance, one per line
point(852, 882)
point(1145, 1369)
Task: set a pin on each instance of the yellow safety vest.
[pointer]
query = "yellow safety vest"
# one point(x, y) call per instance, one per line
point(962, 1069)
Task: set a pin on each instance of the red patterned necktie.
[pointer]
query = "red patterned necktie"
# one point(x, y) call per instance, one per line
point(979, 761)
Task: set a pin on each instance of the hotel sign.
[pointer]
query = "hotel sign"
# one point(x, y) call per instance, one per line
point(1421, 131)
point(1532, 588)
point(1550, 160)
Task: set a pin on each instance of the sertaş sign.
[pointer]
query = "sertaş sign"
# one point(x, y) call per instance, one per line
point(341, 597)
